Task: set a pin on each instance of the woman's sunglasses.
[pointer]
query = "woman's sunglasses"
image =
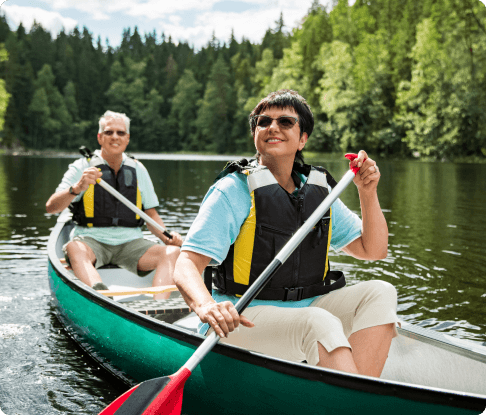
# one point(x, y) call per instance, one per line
point(285, 122)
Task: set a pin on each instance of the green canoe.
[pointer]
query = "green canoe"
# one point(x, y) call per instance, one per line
point(136, 338)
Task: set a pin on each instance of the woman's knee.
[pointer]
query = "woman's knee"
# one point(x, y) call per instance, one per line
point(314, 318)
point(378, 289)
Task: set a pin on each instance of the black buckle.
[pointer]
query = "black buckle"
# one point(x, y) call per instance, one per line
point(293, 294)
point(114, 221)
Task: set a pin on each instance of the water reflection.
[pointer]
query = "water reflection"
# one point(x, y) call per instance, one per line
point(436, 219)
point(436, 215)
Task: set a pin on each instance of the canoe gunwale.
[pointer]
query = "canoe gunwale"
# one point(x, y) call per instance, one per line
point(440, 340)
point(336, 378)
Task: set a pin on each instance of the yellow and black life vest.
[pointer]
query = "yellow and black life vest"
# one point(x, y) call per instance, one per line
point(275, 215)
point(99, 208)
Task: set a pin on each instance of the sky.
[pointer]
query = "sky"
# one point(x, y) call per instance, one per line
point(193, 21)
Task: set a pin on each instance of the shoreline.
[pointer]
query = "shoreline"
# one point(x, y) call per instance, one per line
point(205, 155)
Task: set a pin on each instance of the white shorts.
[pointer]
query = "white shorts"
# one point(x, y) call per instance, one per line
point(293, 333)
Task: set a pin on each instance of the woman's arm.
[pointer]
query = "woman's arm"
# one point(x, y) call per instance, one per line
point(373, 243)
point(222, 317)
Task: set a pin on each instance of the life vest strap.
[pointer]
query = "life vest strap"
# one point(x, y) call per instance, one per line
point(294, 293)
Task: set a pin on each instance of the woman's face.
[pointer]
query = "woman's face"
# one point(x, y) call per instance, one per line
point(275, 141)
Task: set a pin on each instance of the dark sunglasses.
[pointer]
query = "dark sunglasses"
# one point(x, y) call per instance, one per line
point(285, 122)
point(109, 133)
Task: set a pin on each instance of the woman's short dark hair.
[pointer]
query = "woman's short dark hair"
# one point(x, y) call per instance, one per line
point(286, 98)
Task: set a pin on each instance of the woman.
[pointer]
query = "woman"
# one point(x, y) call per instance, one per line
point(250, 212)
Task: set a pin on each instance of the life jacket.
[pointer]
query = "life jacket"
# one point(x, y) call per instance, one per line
point(99, 208)
point(275, 215)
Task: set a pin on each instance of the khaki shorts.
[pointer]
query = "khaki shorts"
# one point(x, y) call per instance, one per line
point(293, 333)
point(125, 255)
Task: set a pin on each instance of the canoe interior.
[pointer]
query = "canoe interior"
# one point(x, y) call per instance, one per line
point(422, 357)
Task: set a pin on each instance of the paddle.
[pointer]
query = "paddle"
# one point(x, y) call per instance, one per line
point(163, 396)
point(87, 153)
point(131, 206)
point(143, 290)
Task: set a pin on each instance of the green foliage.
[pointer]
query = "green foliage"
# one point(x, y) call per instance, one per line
point(184, 109)
point(4, 95)
point(215, 110)
point(392, 77)
point(49, 116)
point(441, 109)
point(339, 98)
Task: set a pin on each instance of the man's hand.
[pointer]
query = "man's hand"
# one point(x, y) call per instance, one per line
point(176, 239)
point(222, 317)
point(89, 177)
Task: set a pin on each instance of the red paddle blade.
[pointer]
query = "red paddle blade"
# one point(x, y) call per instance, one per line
point(160, 396)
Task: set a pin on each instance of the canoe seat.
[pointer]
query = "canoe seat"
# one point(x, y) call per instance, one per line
point(175, 305)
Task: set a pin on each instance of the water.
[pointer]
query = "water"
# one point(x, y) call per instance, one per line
point(436, 216)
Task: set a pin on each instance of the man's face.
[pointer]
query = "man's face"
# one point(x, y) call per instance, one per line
point(114, 138)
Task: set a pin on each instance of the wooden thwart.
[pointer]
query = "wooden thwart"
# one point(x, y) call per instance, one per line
point(143, 290)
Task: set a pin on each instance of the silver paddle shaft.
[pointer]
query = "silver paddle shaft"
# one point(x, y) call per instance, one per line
point(272, 268)
point(131, 206)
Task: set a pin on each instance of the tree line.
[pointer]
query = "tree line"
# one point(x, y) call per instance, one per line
point(396, 77)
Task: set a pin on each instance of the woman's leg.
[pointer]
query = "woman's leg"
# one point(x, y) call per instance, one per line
point(296, 334)
point(368, 314)
point(370, 348)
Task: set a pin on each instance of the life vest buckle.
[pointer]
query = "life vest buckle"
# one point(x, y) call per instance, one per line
point(293, 294)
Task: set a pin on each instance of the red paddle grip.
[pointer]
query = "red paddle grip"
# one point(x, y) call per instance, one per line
point(351, 157)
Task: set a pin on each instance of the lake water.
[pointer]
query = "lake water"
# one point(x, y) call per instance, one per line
point(436, 214)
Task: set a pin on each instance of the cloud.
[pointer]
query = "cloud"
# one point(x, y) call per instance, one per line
point(192, 21)
point(251, 24)
point(150, 9)
point(51, 21)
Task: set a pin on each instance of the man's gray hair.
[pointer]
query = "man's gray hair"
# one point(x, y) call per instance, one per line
point(111, 114)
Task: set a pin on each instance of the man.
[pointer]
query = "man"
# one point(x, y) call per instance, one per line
point(246, 218)
point(107, 231)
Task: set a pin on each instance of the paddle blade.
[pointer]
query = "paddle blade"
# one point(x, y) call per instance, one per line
point(161, 396)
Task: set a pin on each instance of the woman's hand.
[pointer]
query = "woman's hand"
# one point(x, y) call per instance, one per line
point(368, 175)
point(222, 317)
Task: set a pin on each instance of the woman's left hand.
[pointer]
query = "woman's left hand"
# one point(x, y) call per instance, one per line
point(368, 175)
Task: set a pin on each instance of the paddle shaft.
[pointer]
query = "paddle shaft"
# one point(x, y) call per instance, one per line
point(143, 290)
point(273, 267)
point(131, 206)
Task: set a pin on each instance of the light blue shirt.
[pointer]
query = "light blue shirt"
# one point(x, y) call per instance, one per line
point(111, 235)
point(224, 210)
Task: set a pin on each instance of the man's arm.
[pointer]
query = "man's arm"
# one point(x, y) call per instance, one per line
point(62, 199)
point(373, 243)
point(176, 238)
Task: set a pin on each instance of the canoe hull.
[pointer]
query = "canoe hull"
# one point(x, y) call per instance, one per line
point(230, 380)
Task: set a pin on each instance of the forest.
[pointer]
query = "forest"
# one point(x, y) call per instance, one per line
point(403, 78)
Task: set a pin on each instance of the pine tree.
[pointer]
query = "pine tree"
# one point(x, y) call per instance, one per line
point(184, 109)
point(214, 117)
point(49, 117)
